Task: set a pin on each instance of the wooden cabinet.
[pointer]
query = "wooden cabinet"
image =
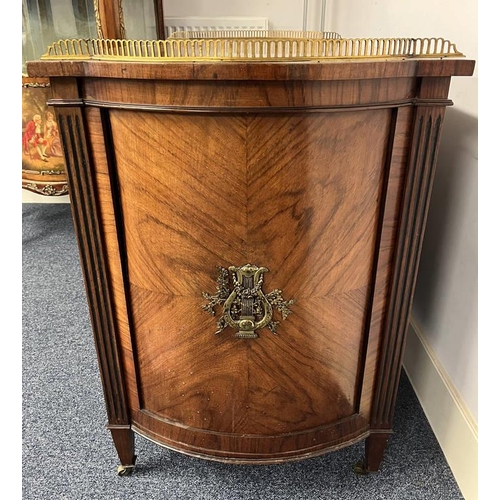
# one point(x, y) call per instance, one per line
point(250, 235)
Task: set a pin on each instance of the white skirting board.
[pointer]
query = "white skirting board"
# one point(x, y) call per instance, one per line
point(451, 421)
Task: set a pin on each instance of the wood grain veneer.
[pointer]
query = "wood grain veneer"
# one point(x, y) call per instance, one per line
point(320, 172)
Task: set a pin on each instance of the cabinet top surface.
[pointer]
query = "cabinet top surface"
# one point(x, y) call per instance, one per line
point(310, 70)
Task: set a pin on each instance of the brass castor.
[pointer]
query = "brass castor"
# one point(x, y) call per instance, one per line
point(125, 470)
point(360, 469)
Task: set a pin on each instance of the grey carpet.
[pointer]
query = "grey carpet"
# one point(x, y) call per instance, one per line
point(68, 453)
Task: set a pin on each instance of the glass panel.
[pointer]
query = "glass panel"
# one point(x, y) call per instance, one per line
point(139, 19)
point(45, 21)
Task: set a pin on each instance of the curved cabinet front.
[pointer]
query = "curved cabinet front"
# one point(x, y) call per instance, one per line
point(297, 193)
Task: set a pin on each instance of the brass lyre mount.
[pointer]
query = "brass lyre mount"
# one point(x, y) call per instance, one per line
point(246, 307)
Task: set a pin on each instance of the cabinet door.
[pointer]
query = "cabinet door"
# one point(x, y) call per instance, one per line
point(298, 194)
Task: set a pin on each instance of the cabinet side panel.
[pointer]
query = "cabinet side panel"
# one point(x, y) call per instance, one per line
point(397, 163)
point(103, 161)
point(88, 229)
point(415, 203)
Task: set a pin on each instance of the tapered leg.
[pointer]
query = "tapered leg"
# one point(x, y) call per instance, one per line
point(123, 438)
point(375, 446)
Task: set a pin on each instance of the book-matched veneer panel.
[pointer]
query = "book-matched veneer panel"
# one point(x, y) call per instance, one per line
point(313, 198)
point(281, 191)
point(183, 198)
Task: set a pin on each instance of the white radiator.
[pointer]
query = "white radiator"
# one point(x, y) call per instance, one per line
point(173, 24)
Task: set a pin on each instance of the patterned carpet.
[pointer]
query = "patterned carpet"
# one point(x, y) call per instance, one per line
point(68, 453)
